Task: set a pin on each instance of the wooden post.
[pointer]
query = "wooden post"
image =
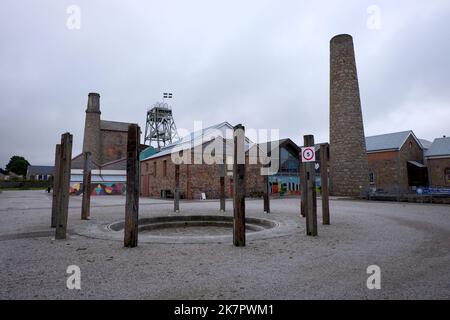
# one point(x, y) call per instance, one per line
point(311, 201)
point(176, 197)
point(302, 189)
point(86, 201)
point(56, 189)
point(132, 197)
point(266, 195)
point(222, 194)
point(239, 186)
point(324, 153)
point(64, 185)
point(222, 174)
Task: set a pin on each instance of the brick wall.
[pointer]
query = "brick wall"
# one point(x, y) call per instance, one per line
point(92, 138)
point(390, 168)
point(410, 151)
point(194, 179)
point(384, 166)
point(113, 145)
point(436, 172)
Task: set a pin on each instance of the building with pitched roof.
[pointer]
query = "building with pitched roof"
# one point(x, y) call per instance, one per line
point(286, 181)
point(107, 142)
point(198, 177)
point(438, 162)
point(40, 173)
point(396, 162)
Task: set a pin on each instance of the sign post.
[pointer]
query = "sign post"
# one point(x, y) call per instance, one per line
point(308, 161)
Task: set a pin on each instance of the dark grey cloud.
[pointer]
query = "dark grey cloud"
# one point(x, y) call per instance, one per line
point(262, 63)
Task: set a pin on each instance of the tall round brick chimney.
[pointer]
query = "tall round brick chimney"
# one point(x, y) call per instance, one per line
point(349, 173)
point(92, 138)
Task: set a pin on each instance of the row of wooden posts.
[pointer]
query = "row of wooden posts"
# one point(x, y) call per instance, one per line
point(60, 203)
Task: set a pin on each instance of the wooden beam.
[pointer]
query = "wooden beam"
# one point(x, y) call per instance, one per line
point(222, 194)
point(86, 201)
point(266, 195)
point(222, 175)
point(311, 201)
point(132, 196)
point(324, 153)
point(64, 184)
point(303, 184)
point(239, 186)
point(176, 197)
point(56, 189)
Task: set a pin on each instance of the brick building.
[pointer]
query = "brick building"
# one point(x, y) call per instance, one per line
point(107, 143)
point(105, 140)
point(287, 179)
point(40, 173)
point(438, 162)
point(396, 162)
point(197, 177)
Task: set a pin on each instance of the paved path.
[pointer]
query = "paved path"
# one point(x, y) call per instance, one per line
point(410, 243)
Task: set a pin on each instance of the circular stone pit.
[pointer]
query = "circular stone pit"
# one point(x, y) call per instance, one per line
point(192, 226)
point(187, 229)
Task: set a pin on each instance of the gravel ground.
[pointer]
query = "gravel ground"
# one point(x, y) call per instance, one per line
point(410, 243)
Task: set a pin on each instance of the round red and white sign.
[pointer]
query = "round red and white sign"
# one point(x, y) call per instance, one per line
point(308, 154)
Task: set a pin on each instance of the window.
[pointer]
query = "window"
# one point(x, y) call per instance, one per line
point(154, 168)
point(447, 175)
point(146, 167)
point(164, 168)
point(371, 178)
point(288, 163)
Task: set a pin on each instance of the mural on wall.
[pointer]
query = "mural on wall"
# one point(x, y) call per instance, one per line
point(100, 188)
point(288, 185)
point(284, 185)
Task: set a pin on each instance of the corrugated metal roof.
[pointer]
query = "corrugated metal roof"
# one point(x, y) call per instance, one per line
point(425, 143)
point(146, 153)
point(440, 147)
point(390, 141)
point(197, 138)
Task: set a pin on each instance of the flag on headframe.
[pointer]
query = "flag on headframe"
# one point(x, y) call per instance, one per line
point(167, 95)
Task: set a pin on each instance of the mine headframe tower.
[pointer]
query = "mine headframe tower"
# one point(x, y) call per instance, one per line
point(160, 127)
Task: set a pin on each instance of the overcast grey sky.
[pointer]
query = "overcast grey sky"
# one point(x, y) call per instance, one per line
point(261, 63)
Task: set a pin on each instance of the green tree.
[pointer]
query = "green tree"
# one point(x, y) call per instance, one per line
point(18, 165)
